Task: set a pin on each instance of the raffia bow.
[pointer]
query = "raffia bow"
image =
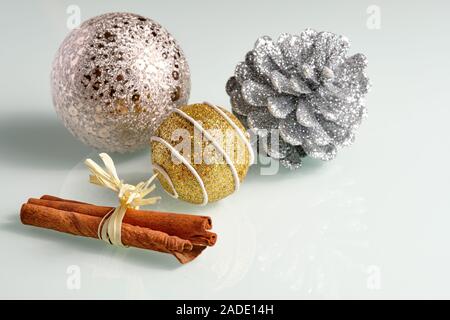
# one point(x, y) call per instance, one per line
point(130, 196)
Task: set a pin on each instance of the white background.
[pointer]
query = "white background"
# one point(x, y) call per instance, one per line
point(371, 224)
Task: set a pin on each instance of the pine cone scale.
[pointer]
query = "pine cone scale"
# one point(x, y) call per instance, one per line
point(305, 115)
point(291, 131)
point(280, 107)
point(256, 94)
point(261, 122)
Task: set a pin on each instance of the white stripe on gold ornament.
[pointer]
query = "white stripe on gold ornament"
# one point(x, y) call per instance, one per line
point(164, 173)
point(187, 164)
point(235, 127)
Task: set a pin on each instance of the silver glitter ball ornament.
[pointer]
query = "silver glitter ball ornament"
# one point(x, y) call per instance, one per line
point(115, 78)
point(303, 88)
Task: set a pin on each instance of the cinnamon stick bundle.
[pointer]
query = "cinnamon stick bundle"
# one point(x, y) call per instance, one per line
point(182, 235)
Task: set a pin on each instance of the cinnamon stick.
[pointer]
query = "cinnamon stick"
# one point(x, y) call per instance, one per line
point(190, 227)
point(185, 238)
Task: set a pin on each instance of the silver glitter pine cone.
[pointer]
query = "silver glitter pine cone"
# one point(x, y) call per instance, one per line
point(303, 88)
point(115, 78)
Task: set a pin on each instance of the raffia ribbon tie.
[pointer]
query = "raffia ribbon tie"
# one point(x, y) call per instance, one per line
point(130, 196)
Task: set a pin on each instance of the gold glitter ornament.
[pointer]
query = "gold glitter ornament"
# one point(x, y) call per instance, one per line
point(115, 78)
point(201, 153)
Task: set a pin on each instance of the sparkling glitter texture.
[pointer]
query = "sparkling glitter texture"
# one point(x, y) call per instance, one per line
point(216, 175)
point(306, 88)
point(115, 78)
